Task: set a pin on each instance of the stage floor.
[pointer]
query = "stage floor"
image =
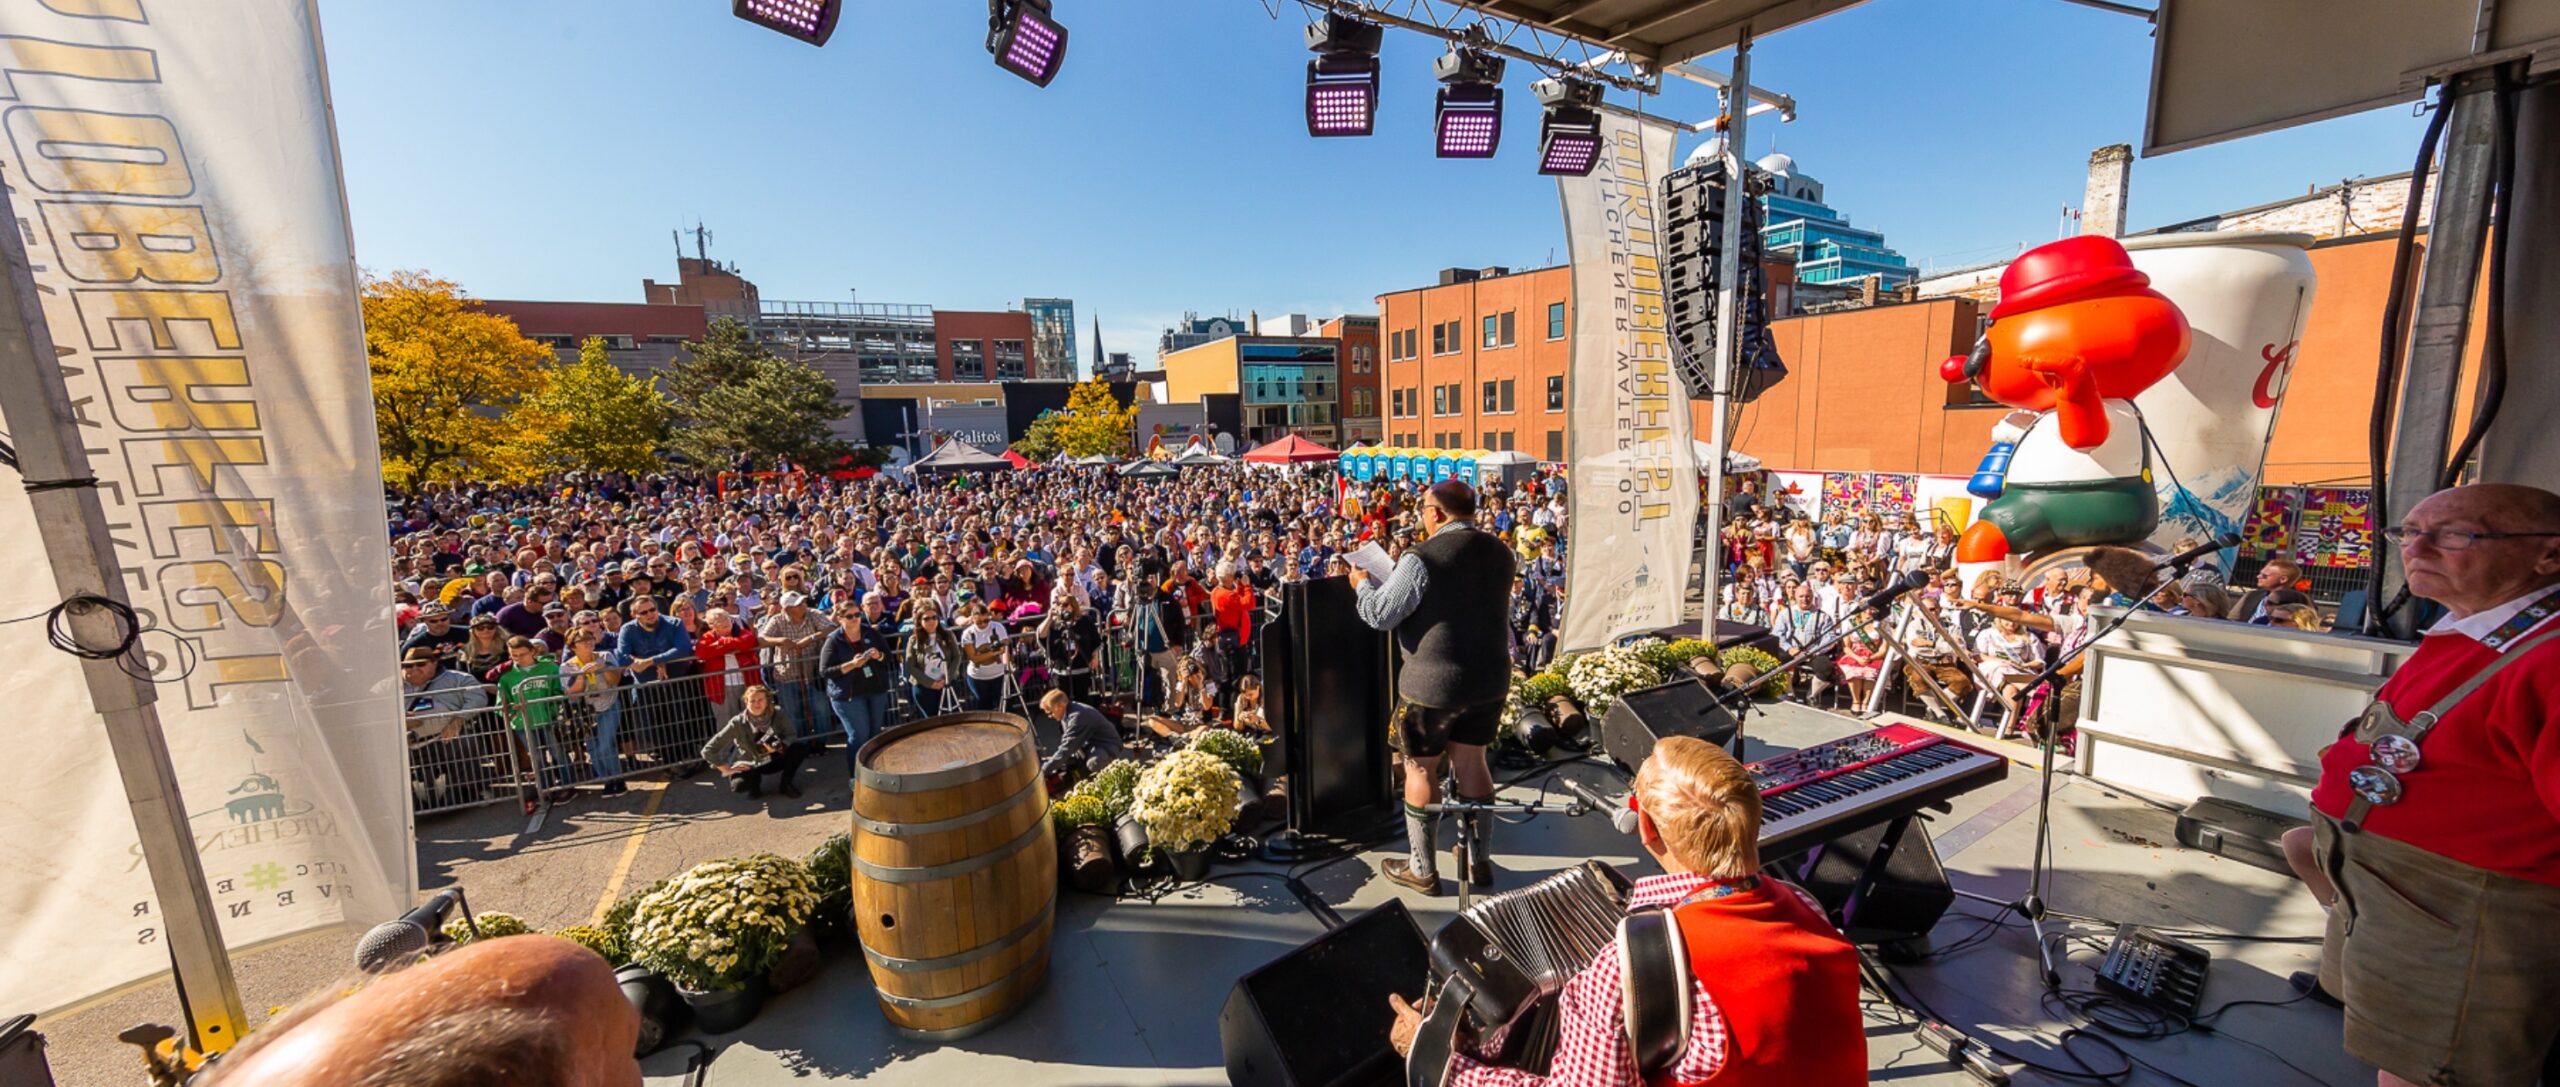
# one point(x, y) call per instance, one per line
point(1136, 987)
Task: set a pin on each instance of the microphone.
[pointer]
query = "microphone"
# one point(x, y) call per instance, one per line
point(1893, 590)
point(2188, 557)
point(1621, 816)
point(406, 936)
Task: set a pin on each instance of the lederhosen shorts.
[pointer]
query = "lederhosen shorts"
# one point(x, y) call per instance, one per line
point(1425, 732)
point(2450, 972)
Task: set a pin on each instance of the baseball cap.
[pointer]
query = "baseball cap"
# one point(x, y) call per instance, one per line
point(793, 599)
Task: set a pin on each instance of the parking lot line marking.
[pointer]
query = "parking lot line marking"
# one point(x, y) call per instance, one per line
point(630, 852)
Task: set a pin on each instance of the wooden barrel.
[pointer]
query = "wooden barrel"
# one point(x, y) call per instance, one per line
point(955, 871)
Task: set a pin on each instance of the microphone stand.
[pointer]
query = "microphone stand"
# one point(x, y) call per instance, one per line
point(2032, 905)
point(1737, 700)
point(1467, 843)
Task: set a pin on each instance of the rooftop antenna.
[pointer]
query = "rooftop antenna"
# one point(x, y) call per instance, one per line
point(701, 244)
point(678, 234)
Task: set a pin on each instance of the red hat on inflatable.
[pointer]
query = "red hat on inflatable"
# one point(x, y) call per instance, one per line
point(2070, 270)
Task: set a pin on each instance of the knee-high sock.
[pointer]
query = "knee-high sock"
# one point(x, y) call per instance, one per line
point(1421, 834)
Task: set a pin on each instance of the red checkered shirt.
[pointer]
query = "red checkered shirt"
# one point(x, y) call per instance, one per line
point(1593, 1050)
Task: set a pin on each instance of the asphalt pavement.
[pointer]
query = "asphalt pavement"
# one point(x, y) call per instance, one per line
point(583, 854)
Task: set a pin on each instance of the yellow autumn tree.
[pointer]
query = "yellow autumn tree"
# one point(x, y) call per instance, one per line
point(1095, 421)
point(448, 380)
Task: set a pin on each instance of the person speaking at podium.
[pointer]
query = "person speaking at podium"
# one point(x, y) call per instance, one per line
point(1773, 986)
point(1447, 601)
point(2438, 809)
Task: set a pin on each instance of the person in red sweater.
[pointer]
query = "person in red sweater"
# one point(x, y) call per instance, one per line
point(727, 650)
point(1774, 987)
point(2437, 815)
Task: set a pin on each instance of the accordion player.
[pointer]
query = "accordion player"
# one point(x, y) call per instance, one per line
point(1710, 974)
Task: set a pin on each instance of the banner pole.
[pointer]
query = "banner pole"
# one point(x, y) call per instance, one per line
point(1729, 308)
point(72, 525)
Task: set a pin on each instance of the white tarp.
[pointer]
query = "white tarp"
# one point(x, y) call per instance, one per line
point(173, 168)
point(1635, 475)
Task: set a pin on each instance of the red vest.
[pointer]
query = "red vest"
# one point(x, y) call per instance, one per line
point(1787, 984)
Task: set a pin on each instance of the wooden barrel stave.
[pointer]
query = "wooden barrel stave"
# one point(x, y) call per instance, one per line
point(953, 951)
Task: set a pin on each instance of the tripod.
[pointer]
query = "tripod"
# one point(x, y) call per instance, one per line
point(2032, 905)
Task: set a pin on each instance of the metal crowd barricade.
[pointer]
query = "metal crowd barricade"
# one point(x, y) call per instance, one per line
point(460, 758)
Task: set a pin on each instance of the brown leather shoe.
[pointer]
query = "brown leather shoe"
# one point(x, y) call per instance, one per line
point(1399, 869)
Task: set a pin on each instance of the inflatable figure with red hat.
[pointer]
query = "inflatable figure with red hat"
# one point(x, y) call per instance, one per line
point(2077, 335)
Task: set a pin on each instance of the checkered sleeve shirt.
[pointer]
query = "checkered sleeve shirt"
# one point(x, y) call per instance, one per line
point(1593, 1051)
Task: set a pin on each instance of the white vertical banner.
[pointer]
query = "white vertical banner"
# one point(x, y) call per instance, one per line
point(1634, 473)
point(173, 169)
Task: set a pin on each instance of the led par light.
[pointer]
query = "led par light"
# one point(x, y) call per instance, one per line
point(811, 21)
point(1469, 115)
point(1569, 136)
point(1025, 40)
point(1342, 82)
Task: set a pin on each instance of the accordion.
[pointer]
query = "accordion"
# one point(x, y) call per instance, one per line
point(1496, 970)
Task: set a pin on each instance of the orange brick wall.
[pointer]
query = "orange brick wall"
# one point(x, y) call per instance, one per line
point(1531, 359)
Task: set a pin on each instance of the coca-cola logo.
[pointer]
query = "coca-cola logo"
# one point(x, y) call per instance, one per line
point(2272, 380)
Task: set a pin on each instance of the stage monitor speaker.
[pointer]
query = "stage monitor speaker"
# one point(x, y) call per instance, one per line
point(1679, 708)
point(1328, 686)
point(1908, 897)
point(22, 1061)
point(1317, 1016)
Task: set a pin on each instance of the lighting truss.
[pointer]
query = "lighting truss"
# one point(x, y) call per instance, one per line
point(1468, 119)
point(1569, 135)
point(811, 21)
point(1025, 40)
point(1342, 82)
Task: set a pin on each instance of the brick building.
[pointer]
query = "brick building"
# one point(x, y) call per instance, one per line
point(982, 346)
point(640, 339)
point(1283, 383)
point(1478, 361)
point(1363, 420)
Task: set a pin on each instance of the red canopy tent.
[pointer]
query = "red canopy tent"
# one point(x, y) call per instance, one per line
point(1017, 460)
point(1291, 450)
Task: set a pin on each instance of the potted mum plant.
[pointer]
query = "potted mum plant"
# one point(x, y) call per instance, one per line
point(662, 1012)
point(1084, 843)
point(1186, 801)
point(1598, 679)
point(716, 931)
point(831, 868)
point(1116, 786)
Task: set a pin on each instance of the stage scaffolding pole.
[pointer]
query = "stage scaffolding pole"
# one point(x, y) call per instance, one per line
point(1729, 308)
point(71, 524)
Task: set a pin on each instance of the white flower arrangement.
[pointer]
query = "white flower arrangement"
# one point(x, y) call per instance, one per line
point(723, 923)
point(1599, 678)
point(1186, 800)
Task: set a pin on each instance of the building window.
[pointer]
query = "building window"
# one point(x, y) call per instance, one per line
point(1490, 398)
point(1555, 394)
point(1555, 320)
point(1439, 400)
point(1555, 445)
point(1508, 403)
point(1439, 339)
point(1010, 361)
point(1498, 329)
point(1448, 338)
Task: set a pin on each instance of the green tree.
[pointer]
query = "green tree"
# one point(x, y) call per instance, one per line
point(1095, 422)
point(591, 416)
point(1039, 441)
point(777, 409)
point(727, 356)
point(448, 379)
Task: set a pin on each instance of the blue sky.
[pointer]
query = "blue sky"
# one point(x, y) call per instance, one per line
point(546, 148)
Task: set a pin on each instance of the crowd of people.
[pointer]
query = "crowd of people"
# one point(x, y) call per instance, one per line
point(1961, 649)
point(584, 630)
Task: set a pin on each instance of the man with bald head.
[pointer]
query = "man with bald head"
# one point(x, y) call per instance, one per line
point(530, 1010)
point(2437, 816)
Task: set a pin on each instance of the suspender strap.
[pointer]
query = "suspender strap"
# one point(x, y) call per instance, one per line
point(1655, 989)
point(2446, 704)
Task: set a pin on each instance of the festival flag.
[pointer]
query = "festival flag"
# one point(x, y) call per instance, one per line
point(173, 174)
point(1635, 484)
